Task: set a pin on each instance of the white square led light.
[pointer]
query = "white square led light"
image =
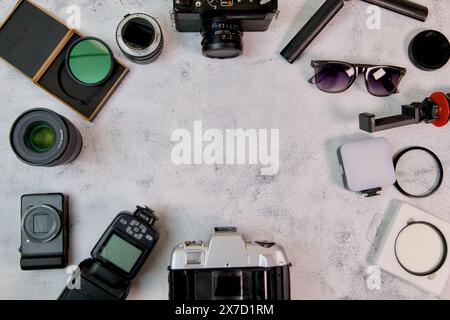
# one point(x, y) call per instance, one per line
point(368, 165)
point(415, 249)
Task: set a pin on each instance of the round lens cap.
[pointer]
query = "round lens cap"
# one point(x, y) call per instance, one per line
point(429, 50)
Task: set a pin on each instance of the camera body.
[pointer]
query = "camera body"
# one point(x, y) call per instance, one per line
point(44, 231)
point(253, 16)
point(229, 268)
point(116, 259)
point(222, 22)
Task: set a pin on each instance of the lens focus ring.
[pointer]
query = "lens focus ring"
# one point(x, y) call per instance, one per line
point(222, 39)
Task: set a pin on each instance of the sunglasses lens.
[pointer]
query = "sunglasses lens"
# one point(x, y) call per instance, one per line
point(383, 81)
point(334, 77)
point(90, 62)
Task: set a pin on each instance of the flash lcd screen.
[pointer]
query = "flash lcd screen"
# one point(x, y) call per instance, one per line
point(121, 253)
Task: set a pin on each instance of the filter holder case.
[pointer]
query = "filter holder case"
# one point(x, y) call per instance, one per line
point(35, 43)
point(386, 258)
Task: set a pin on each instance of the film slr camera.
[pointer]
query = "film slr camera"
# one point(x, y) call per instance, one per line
point(229, 268)
point(222, 22)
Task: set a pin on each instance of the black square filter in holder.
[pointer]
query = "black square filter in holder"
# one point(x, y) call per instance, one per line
point(36, 44)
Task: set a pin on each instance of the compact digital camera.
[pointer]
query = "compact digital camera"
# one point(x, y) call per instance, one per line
point(222, 22)
point(44, 231)
point(229, 268)
point(116, 259)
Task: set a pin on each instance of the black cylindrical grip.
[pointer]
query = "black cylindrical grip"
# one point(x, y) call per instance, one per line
point(404, 7)
point(312, 28)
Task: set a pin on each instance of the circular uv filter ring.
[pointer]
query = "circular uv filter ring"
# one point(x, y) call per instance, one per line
point(421, 248)
point(429, 50)
point(89, 61)
point(419, 172)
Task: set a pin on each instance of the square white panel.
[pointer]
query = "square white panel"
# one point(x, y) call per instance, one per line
point(367, 164)
point(388, 258)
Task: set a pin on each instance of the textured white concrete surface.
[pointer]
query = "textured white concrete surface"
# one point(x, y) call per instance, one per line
point(327, 231)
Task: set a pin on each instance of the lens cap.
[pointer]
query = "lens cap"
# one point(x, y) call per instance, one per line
point(429, 50)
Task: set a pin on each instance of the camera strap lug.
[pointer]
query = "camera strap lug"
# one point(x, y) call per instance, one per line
point(172, 17)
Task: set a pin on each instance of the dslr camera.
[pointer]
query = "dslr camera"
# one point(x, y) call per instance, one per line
point(229, 268)
point(116, 260)
point(44, 231)
point(222, 22)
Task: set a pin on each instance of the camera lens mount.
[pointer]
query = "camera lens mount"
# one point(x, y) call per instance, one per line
point(140, 38)
point(222, 39)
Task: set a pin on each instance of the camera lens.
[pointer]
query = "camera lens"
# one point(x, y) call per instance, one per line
point(89, 61)
point(41, 137)
point(222, 39)
point(41, 223)
point(140, 38)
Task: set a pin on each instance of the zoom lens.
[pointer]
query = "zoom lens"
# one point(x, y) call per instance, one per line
point(41, 137)
point(222, 39)
point(140, 38)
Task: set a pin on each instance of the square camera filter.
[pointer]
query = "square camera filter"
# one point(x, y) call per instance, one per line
point(415, 249)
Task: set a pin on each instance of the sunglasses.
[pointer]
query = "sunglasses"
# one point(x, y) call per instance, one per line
point(338, 76)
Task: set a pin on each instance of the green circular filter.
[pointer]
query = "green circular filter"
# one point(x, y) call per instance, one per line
point(90, 61)
point(40, 137)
